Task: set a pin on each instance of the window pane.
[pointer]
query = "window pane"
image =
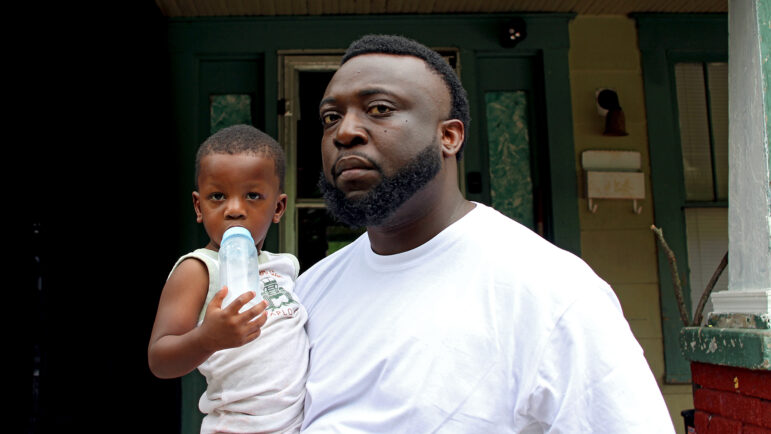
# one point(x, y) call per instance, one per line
point(707, 235)
point(694, 131)
point(309, 132)
point(718, 96)
point(511, 186)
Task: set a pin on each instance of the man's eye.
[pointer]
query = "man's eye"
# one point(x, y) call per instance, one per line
point(379, 109)
point(217, 196)
point(329, 118)
point(253, 196)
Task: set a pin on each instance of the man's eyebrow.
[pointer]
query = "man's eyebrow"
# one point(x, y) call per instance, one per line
point(327, 100)
point(375, 91)
point(363, 92)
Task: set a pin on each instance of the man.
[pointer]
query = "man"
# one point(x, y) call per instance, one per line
point(447, 316)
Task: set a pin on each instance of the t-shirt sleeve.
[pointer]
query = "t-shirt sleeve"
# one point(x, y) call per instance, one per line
point(593, 376)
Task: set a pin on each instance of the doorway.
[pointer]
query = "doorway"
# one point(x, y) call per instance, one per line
point(309, 231)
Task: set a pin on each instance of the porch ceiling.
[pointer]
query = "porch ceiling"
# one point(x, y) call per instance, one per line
point(213, 8)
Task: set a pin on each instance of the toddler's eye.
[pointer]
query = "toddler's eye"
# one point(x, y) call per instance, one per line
point(253, 196)
point(217, 196)
point(379, 109)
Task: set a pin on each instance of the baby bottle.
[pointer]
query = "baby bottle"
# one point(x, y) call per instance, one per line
point(239, 269)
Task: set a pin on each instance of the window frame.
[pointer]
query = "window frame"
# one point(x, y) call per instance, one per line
point(664, 40)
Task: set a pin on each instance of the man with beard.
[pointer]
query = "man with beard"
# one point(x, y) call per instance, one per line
point(446, 315)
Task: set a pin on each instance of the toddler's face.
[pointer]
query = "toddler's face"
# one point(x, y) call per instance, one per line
point(237, 190)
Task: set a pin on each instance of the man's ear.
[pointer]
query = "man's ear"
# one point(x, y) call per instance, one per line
point(280, 208)
point(452, 133)
point(197, 207)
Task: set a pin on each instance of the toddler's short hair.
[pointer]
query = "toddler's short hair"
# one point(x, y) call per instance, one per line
point(242, 139)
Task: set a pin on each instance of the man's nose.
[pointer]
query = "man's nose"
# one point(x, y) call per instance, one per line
point(351, 131)
point(235, 209)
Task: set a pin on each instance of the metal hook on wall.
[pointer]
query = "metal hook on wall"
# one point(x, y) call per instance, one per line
point(636, 208)
point(592, 206)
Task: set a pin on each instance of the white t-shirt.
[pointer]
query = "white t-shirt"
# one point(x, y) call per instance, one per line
point(484, 328)
point(259, 387)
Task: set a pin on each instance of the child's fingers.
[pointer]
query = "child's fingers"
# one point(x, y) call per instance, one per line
point(255, 310)
point(218, 297)
point(253, 336)
point(239, 302)
point(256, 324)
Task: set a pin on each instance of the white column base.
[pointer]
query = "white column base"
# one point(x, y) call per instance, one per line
point(753, 301)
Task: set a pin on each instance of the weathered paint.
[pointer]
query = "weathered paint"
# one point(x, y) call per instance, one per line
point(764, 31)
point(749, 188)
point(744, 348)
point(740, 321)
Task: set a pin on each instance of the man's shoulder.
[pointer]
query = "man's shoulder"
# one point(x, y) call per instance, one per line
point(510, 239)
point(522, 258)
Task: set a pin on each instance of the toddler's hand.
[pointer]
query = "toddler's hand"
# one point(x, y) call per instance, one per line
point(226, 328)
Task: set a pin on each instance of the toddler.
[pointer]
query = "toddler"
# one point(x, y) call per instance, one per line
point(255, 362)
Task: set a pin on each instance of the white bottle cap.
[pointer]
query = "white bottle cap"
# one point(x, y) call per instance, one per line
point(236, 231)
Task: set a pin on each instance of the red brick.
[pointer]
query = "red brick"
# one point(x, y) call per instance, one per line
point(706, 423)
point(748, 382)
point(721, 425)
point(751, 429)
point(741, 408)
point(730, 405)
point(707, 400)
point(765, 413)
point(701, 421)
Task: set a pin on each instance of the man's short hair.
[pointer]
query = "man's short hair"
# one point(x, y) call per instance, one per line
point(399, 45)
point(242, 139)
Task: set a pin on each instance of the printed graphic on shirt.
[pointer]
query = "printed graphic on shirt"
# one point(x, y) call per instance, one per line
point(280, 301)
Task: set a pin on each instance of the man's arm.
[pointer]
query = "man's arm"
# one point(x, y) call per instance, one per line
point(177, 346)
point(593, 376)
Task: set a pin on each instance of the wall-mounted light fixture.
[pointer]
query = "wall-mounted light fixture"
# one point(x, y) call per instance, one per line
point(513, 32)
point(609, 107)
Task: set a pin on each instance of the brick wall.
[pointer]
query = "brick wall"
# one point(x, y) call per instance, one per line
point(731, 400)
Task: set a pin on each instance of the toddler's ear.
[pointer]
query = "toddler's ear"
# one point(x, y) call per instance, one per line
point(280, 208)
point(197, 207)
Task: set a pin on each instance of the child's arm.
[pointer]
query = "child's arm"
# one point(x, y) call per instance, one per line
point(177, 346)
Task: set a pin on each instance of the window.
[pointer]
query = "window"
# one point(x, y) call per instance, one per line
point(685, 78)
point(702, 102)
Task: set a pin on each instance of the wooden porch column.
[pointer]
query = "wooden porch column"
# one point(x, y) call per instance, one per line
point(731, 358)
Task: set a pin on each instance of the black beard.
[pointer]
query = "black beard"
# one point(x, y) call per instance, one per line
point(387, 196)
